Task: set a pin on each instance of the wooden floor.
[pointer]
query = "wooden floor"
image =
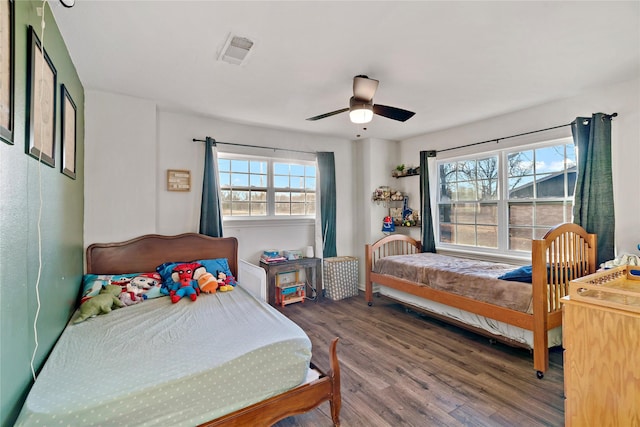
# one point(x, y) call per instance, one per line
point(400, 368)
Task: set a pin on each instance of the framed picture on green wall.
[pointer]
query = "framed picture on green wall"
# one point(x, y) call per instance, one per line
point(41, 100)
point(6, 70)
point(68, 131)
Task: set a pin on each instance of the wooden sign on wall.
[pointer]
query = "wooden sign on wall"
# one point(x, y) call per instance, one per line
point(178, 180)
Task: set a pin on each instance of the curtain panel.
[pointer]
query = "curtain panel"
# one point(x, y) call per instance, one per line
point(428, 237)
point(593, 201)
point(327, 171)
point(210, 212)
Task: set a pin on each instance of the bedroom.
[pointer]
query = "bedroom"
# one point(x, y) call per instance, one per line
point(124, 133)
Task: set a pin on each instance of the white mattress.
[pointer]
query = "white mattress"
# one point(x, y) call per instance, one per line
point(159, 364)
point(495, 327)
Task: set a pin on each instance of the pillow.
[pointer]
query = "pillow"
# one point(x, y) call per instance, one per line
point(211, 265)
point(147, 284)
point(521, 274)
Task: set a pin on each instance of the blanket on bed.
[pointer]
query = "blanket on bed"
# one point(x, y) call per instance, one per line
point(471, 278)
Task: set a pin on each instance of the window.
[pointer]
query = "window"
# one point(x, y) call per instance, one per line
point(259, 187)
point(500, 201)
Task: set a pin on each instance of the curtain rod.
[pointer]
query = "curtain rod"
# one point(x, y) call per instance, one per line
point(255, 146)
point(497, 140)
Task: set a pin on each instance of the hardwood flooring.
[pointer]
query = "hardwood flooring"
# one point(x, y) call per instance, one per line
point(401, 368)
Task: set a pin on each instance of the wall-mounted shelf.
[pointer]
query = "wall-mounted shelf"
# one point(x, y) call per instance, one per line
point(406, 175)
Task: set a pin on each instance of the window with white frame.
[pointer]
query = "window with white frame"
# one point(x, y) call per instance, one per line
point(263, 187)
point(502, 200)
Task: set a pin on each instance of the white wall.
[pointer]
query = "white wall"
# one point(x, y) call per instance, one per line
point(120, 167)
point(131, 143)
point(623, 98)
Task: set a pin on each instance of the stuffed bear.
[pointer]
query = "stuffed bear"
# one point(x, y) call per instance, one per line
point(185, 275)
point(101, 303)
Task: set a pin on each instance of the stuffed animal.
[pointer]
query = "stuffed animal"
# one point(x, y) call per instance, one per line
point(207, 283)
point(101, 303)
point(224, 282)
point(131, 294)
point(183, 275)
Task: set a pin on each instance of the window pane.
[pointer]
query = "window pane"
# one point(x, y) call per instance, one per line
point(240, 196)
point(488, 189)
point(297, 170)
point(466, 191)
point(550, 159)
point(446, 213)
point(258, 196)
point(310, 184)
point(226, 208)
point(466, 235)
point(549, 214)
point(310, 171)
point(283, 197)
point(487, 169)
point(283, 209)
point(311, 197)
point(297, 208)
point(258, 209)
point(259, 181)
point(521, 187)
point(447, 233)
point(297, 197)
point(240, 208)
point(239, 180)
point(239, 166)
point(281, 168)
point(520, 239)
point(281, 181)
point(487, 214)
point(520, 163)
point(225, 179)
point(466, 171)
point(465, 213)
point(224, 165)
point(310, 208)
point(550, 185)
point(258, 167)
point(521, 214)
point(488, 236)
point(297, 182)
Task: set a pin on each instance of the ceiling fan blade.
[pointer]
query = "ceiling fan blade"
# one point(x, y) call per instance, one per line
point(333, 113)
point(392, 112)
point(364, 88)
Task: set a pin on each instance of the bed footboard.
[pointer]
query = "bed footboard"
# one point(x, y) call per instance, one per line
point(296, 401)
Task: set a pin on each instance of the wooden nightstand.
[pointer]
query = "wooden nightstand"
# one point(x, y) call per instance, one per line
point(313, 272)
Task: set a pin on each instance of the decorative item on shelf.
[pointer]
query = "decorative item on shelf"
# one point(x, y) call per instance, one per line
point(410, 171)
point(387, 225)
point(385, 195)
point(398, 171)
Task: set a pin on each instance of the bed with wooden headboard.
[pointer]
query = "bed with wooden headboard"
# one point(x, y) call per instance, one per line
point(223, 359)
point(469, 293)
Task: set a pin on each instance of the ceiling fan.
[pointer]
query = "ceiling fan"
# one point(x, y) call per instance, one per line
point(361, 107)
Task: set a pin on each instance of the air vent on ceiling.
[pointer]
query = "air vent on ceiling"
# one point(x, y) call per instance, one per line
point(235, 50)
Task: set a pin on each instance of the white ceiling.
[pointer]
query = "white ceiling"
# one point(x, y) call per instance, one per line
point(450, 62)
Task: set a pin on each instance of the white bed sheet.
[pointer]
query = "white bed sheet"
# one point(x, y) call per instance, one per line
point(159, 364)
point(495, 327)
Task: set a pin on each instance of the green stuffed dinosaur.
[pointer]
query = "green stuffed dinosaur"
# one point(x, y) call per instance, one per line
point(101, 303)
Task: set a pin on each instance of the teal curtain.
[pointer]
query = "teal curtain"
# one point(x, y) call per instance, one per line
point(428, 238)
point(327, 172)
point(593, 200)
point(210, 214)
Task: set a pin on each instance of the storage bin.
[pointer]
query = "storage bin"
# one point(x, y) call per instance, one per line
point(340, 277)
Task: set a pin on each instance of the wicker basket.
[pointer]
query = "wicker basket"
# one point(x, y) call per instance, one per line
point(340, 277)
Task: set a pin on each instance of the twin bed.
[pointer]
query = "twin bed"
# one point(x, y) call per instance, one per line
point(522, 311)
point(225, 359)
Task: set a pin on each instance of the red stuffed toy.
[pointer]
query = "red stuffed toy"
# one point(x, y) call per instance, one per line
point(185, 276)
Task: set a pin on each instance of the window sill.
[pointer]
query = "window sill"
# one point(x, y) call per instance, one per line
point(268, 222)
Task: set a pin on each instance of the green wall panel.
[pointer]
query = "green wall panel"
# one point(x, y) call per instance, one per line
point(41, 218)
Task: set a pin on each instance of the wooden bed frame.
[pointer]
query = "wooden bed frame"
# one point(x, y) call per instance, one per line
point(145, 253)
point(567, 247)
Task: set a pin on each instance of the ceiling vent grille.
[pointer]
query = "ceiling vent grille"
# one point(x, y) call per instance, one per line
point(236, 50)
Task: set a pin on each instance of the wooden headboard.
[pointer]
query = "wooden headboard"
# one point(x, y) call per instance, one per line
point(145, 253)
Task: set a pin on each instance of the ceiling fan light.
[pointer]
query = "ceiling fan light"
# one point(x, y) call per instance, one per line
point(361, 114)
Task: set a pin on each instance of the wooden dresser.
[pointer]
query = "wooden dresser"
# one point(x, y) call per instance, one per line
point(601, 337)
